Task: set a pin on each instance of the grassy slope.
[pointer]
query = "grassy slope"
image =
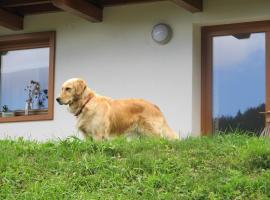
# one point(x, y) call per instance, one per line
point(230, 167)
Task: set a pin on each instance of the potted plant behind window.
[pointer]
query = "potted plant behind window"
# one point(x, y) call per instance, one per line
point(43, 98)
point(6, 112)
point(36, 96)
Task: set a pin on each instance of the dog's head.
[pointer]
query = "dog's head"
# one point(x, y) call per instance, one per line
point(72, 91)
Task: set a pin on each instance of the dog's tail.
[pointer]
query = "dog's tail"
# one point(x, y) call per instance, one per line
point(171, 134)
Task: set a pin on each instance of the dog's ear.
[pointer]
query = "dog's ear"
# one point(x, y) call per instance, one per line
point(80, 86)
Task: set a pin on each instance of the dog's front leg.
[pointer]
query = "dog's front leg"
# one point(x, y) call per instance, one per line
point(101, 131)
point(98, 136)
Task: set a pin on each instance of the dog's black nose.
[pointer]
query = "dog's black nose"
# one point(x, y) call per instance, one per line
point(58, 100)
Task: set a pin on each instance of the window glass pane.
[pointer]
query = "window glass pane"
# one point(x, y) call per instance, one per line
point(239, 82)
point(24, 79)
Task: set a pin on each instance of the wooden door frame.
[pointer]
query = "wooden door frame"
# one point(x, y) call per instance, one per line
point(208, 32)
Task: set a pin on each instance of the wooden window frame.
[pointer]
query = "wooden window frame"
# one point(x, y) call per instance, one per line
point(207, 33)
point(32, 41)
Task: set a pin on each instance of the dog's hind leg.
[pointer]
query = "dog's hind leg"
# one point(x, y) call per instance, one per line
point(157, 128)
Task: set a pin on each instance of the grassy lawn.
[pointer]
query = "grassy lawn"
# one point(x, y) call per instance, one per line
point(220, 167)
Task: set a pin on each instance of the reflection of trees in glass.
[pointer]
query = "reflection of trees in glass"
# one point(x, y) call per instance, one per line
point(250, 120)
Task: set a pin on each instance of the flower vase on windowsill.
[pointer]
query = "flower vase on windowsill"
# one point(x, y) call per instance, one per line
point(28, 106)
point(37, 97)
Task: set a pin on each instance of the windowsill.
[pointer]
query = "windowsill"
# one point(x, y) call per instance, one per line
point(33, 115)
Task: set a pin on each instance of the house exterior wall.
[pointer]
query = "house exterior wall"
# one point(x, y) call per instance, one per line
point(119, 59)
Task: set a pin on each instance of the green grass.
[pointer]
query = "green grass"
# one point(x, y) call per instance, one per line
point(220, 167)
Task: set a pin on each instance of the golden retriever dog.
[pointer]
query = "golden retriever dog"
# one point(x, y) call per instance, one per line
point(104, 118)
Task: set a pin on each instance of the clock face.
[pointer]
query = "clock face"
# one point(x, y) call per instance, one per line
point(161, 33)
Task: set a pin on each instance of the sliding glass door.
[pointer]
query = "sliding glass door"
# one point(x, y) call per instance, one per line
point(236, 77)
point(239, 83)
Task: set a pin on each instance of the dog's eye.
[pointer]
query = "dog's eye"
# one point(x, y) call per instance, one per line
point(67, 89)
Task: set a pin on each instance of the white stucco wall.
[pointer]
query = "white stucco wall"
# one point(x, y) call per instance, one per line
point(119, 59)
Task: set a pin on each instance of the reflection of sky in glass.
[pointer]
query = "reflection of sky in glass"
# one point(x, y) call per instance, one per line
point(21, 60)
point(239, 73)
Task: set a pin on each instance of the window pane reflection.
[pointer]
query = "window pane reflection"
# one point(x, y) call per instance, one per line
point(239, 82)
point(24, 79)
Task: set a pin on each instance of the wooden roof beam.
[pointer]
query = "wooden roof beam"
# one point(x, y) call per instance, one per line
point(106, 3)
point(17, 3)
point(10, 20)
point(190, 5)
point(35, 9)
point(80, 8)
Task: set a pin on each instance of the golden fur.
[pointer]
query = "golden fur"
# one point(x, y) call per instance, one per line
point(103, 117)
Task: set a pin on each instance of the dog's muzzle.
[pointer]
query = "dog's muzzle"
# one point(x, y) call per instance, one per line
point(59, 101)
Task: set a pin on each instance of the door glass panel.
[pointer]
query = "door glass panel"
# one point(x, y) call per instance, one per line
point(239, 82)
